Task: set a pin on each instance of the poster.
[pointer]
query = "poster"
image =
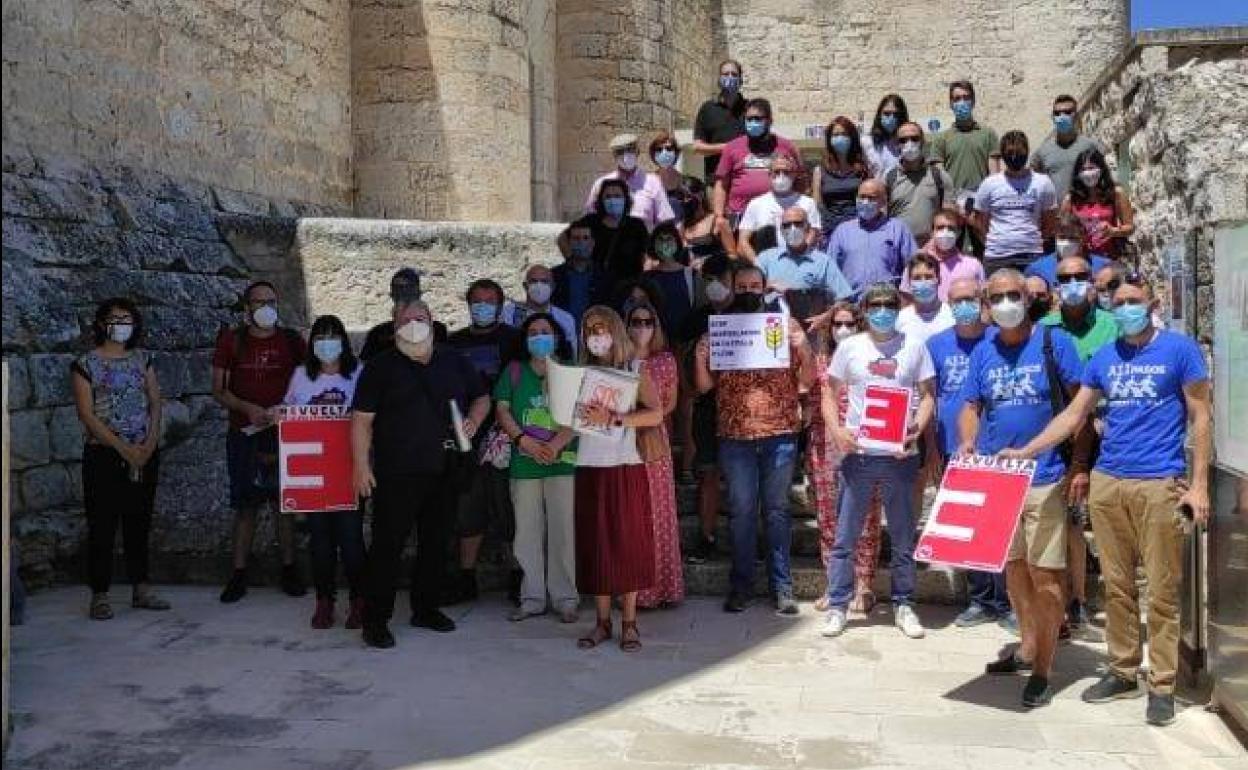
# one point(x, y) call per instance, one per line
point(570, 388)
point(314, 459)
point(885, 417)
point(1230, 347)
point(748, 341)
point(975, 512)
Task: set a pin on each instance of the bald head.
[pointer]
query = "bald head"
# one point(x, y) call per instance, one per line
point(873, 189)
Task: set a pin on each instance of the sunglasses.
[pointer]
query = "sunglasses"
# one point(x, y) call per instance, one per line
point(1073, 277)
point(845, 326)
point(889, 304)
point(641, 323)
point(1132, 278)
point(1012, 296)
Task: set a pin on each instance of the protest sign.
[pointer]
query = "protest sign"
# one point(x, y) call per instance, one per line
point(314, 459)
point(885, 417)
point(976, 512)
point(570, 389)
point(748, 341)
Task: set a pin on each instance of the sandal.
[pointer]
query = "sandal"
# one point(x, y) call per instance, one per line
point(630, 640)
point(101, 609)
point(600, 633)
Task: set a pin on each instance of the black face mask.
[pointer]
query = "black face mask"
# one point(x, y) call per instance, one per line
point(1015, 160)
point(1038, 309)
point(747, 302)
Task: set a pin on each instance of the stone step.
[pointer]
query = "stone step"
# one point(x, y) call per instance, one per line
point(805, 539)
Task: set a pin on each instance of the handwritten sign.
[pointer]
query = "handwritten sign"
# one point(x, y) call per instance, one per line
point(748, 341)
point(314, 459)
point(885, 416)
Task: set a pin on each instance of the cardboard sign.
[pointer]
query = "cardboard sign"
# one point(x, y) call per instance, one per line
point(976, 512)
point(885, 417)
point(314, 459)
point(748, 341)
point(571, 388)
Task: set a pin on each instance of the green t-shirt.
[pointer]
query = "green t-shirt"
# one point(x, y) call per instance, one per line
point(527, 401)
point(965, 153)
point(1090, 337)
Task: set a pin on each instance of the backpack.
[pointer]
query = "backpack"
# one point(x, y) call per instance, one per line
point(890, 179)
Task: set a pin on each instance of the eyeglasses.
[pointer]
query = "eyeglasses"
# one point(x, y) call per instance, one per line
point(1073, 277)
point(641, 323)
point(1012, 296)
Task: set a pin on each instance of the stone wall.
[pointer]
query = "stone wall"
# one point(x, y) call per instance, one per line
point(251, 97)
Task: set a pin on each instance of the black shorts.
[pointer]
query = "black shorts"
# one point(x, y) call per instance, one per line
point(251, 462)
point(486, 504)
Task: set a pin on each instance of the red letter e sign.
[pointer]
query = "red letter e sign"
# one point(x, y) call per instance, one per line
point(975, 512)
point(314, 457)
point(885, 415)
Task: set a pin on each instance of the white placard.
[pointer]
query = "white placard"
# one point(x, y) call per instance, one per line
point(570, 388)
point(748, 341)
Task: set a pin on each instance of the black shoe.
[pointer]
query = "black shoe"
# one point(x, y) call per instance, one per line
point(703, 551)
point(236, 588)
point(433, 620)
point(514, 580)
point(1111, 687)
point(1037, 692)
point(292, 585)
point(1160, 710)
point(1011, 664)
point(735, 603)
point(378, 636)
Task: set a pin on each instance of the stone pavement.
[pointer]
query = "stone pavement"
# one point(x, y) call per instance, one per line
point(251, 686)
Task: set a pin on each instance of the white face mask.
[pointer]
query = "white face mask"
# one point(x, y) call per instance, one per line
point(120, 333)
point(1008, 314)
point(599, 344)
point(265, 316)
point(1090, 176)
point(782, 184)
point(1066, 248)
point(627, 161)
point(414, 331)
point(794, 236)
point(945, 239)
point(841, 333)
point(539, 292)
point(911, 151)
point(717, 292)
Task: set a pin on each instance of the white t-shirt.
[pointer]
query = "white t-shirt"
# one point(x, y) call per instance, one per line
point(325, 390)
point(924, 326)
point(902, 361)
point(1014, 206)
point(514, 315)
point(769, 210)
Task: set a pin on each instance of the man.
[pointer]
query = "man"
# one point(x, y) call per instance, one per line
point(1008, 401)
point(1014, 210)
point(1041, 303)
point(404, 287)
point(251, 368)
point(926, 315)
point(719, 120)
point(488, 344)
point(761, 220)
point(539, 284)
point(400, 431)
point(1056, 156)
point(743, 172)
point(579, 283)
point(1108, 279)
point(809, 278)
point(1155, 384)
point(915, 189)
point(883, 356)
point(650, 203)
point(1069, 240)
point(758, 423)
point(951, 352)
point(873, 247)
point(947, 225)
point(967, 150)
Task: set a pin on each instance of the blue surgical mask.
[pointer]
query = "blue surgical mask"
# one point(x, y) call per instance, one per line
point(483, 313)
point(1074, 293)
point(327, 350)
point(614, 207)
point(867, 209)
point(665, 158)
point(730, 83)
point(888, 123)
point(1132, 319)
point(1064, 124)
point(1105, 301)
point(541, 345)
point(755, 127)
point(840, 144)
point(966, 312)
point(924, 291)
point(582, 249)
point(962, 109)
point(883, 320)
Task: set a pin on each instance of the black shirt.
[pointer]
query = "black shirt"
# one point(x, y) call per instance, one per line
point(411, 402)
point(619, 252)
point(487, 352)
point(717, 123)
point(381, 338)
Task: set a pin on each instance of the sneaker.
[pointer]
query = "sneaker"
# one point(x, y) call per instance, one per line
point(144, 598)
point(1160, 710)
point(1111, 687)
point(785, 605)
point(236, 588)
point(835, 624)
point(703, 551)
point(292, 584)
point(434, 620)
point(1037, 692)
point(908, 621)
point(379, 637)
point(323, 617)
point(735, 603)
point(973, 615)
point(1009, 622)
point(355, 615)
point(100, 609)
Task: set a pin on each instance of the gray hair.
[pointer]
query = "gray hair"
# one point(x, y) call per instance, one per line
point(1013, 275)
point(880, 291)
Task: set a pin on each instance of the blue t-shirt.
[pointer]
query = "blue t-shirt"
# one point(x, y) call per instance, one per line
point(1046, 267)
point(1011, 384)
point(951, 355)
point(1145, 411)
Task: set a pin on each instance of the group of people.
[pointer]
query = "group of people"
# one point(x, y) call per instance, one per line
point(989, 280)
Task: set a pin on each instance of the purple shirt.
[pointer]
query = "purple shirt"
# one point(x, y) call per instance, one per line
point(871, 253)
point(650, 203)
point(952, 267)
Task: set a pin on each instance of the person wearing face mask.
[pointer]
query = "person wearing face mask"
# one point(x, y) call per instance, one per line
point(620, 240)
point(541, 469)
point(538, 290)
point(881, 145)
point(404, 286)
point(881, 356)
point(1156, 389)
point(648, 196)
point(705, 235)
point(809, 278)
point(579, 283)
point(967, 150)
point(926, 315)
point(916, 190)
point(759, 417)
point(1041, 302)
point(744, 169)
point(1068, 241)
point(401, 439)
point(1008, 401)
point(1100, 205)
point(842, 168)
point(679, 286)
point(1015, 210)
point(946, 229)
point(721, 119)
point(1056, 155)
point(872, 247)
point(759, 228)
point(118, 401)
point(251, 367)
point(328, 378)
point(665, 155)
point(1108, 279)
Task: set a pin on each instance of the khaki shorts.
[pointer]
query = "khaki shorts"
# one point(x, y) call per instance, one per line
point(1041, 534)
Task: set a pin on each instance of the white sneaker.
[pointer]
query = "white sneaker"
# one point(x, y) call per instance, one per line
point(835, 624)
point(908, 621)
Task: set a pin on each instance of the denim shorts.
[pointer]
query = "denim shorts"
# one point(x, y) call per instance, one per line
point(252, 465)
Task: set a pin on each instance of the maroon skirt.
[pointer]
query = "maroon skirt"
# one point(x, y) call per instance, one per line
point(614, 530)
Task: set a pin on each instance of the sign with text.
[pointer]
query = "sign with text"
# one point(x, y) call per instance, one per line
point(885, 417)
point(976, 512)
point(314, 459)
point(748, 341)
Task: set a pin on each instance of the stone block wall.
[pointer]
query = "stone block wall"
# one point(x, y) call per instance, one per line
point(250, 97)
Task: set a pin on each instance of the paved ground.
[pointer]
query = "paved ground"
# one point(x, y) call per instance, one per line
point(251, 686)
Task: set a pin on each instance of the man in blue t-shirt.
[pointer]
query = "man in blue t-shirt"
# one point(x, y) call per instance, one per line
point(951, 355)
point(1154, 382)
point(1008, 402)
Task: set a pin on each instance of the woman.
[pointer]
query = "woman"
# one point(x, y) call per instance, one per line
point(838, 174)
point(328, 378)
point(614, 530)
point(705, 235)
point(118, 401)
point(664, 153)
point(1100, 204)
point(675, 280)
point(619, 238)
point(880, 146)
point(947, 226)
point(542, 470)
point(657, 363)
point(824, 460)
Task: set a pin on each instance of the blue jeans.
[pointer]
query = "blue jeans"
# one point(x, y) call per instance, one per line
point(987, 591)
point(758, 474)
point(859, 475)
